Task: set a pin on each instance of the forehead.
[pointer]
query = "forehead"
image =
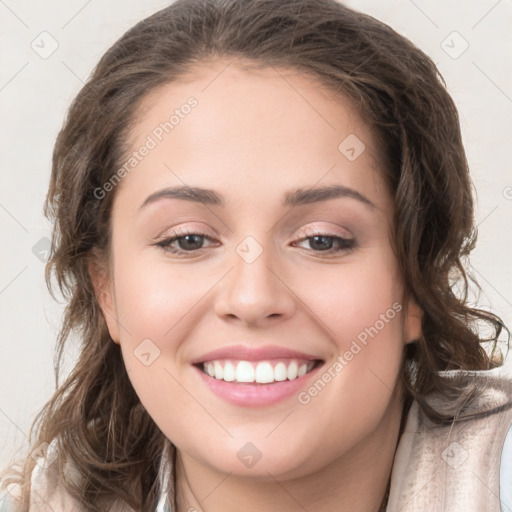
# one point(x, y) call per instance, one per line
point(251, 126)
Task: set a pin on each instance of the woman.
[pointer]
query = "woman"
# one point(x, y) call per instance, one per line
point(261, 209)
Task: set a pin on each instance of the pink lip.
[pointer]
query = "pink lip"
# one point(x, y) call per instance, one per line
point(254, 395)
point(245, 353)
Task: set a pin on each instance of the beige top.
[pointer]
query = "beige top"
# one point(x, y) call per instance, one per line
point(456, 467)
point(436, 468)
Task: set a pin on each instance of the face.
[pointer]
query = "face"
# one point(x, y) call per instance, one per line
point(250, 241)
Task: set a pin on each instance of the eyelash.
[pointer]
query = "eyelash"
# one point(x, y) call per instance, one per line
point(344, 244)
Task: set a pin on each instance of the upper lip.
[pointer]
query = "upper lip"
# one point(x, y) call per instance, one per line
point(245, 353)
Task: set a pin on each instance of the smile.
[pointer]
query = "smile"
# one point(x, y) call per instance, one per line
point(259, 372)
point(257, 383)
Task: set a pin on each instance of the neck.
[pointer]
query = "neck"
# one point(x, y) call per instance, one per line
point(356, 481)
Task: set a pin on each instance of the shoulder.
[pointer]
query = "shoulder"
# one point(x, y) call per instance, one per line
point(506, 472)
point(7, 501)
point(480, 392)
point(473, 398)
point(456, 464)
point(496, 394)
point(46, 491)
point(483, 407)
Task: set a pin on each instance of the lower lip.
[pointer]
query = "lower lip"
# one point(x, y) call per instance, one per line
point(254, 395)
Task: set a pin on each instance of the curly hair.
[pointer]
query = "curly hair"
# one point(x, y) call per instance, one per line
point(95, 415)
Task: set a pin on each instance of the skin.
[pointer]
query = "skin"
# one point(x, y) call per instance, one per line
point(255, 135)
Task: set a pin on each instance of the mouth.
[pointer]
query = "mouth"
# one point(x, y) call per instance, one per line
point(256, 376)
point(264, 372)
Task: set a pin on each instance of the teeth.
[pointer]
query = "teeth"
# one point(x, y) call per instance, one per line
point(229, 372)
point(219, 371)
point(293, 369)
point(262, 372)
point(280, 373)
point(244, 372)
point(303, 368)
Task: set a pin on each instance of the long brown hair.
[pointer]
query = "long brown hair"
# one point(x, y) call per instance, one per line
point(95, 415)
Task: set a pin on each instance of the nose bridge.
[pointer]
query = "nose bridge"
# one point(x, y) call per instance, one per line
point(252, 291)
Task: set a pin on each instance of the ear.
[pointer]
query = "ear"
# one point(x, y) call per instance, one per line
point(412, 320)
point(104, 291)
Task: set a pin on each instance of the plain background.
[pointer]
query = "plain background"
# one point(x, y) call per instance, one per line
point(469, 41)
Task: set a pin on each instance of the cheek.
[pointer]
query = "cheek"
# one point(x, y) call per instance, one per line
point(360, 309)
point(348, 299)
point(154, 300)
point(157, 306)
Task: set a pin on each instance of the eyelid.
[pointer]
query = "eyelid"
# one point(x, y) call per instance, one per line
point(325, 231)
point(189, 229)
point(194, 229)
point(345, 241)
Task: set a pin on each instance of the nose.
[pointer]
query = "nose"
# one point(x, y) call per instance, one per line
point(255, 293)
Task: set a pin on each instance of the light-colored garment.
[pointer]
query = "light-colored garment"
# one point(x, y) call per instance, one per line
point(462, 467)
point(506, 474)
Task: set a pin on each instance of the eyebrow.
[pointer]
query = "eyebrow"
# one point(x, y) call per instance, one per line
point(298, 197)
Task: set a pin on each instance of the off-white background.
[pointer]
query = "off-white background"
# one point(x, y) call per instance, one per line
point(34, 95)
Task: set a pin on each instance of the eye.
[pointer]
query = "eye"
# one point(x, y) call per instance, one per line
point(184, 243)
point(329, 244)
point(188, 243)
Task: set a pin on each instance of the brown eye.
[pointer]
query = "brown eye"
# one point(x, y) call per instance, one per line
point(190, 242)
point(186, 243)
point(328, 243)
